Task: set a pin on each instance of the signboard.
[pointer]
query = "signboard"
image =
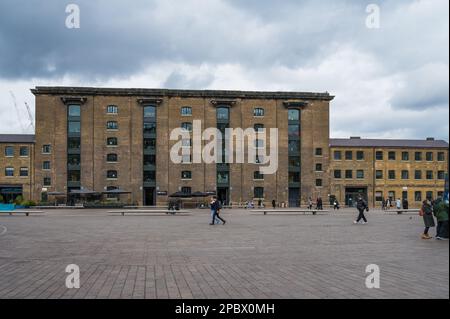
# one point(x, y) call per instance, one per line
point(161, 193)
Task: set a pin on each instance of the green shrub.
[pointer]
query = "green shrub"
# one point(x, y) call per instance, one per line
point(28, 203)
point(18, 200)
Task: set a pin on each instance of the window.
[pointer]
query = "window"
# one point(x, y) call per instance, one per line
point(186, 175)
point(391, 196)
point(405, 174)
point(186, 126)
point(73, 176)
point(9, 171)
point(186, 111)
point(429, 195)
point(23, 151)
point(259, 143)
point(349, 174)
point(46, 165)
point(441, 175)
point(258, 127)
point(441, 156)
point(112, 125)
point(294, 146)
point(318, 182)
point(259, 112)
point(258, 176)
point(418, 156)
point(294, 161)
point(418, 196)
point(9, 151)
point(149, 144)
point(360, 155)
point(149, 176)
point(337, 155)
point(223, 114)
point(149, 160)
point(391, 156)
point(429, 156)
point(405, 156)
point(293, 130)
point(319, 151)
point(338, 173)
point(319, 167)
point(379, 174)
point(391, 174)
point(348, 155)
point(294, 177)
point(440, 194)
point(111, 174)
point(186, 142)
point(74, 111)
point(23, 171)
point(258, 192)
point(186, 159)
point(46, 149)
point(186, 190)
point(360, 174)
point(74, 127)
point(429, 175)
point(379, 155)
point(150, 111)
point(223, 177)
point(418, 174)
point(294, 115)
point(73, 159)
point(259, 159)
point(112, 109)
point(47, 181)
point(149, 128)
point(74, 143)
point(111, 141)
point(112, 158)
point(378, 196)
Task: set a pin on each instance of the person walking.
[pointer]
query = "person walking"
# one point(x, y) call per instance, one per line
point(274, 204)
point(215, 208)
point(388, 203)
point(405, 204)
point(362, 206)
point(440, 211)
point(383, 204)
point(427, 212)
point(336, 204)
point(310, 203)
point(398, 203)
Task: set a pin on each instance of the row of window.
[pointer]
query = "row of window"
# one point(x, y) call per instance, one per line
point(418, 195)
point(9, 172)
point(391, 174)
point(391, 155)
point(24, 151)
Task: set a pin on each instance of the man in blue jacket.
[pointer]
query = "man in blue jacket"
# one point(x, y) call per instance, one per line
point(215, 208)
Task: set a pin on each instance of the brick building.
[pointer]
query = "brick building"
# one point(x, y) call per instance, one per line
point(16, 166)
point(377, 169)
point(100, 139)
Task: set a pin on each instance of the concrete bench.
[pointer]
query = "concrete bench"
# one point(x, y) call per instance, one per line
point(300, 211)
point(146, 207)
point(148, 211)
point(26, 212)
point(401, 211)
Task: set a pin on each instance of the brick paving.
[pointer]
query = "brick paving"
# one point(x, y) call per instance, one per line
point(253, 256)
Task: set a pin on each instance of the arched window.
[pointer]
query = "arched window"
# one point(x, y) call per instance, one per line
point(111, 141)
point(111, 174)
point(186, 111)
point(112, 109)
point(112, 125)
point(258, 111)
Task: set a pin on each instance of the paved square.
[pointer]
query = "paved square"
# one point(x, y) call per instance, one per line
point(253, 256)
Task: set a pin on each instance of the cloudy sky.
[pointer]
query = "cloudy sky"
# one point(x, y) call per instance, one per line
point(391, 81)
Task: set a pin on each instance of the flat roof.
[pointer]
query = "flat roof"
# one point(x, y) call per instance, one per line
point(17, 138)
point(62, 90)
point(393, 143)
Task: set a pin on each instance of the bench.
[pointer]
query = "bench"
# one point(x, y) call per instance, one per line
point(26, 212)
point(304, 211)
point(148, 211)
point(145, 207)
point(401, 211)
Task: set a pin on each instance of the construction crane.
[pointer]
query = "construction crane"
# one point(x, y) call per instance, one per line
point(17, 111)
point(30, 116)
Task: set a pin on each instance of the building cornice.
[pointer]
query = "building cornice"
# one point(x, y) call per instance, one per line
point(216, 94)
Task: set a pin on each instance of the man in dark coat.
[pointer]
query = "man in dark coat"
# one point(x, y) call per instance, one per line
point(362, 206)
point(428, 219)
point(215, 208)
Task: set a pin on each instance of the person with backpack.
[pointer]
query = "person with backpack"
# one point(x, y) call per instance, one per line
point(215, 208)
point(427, 213)
point(362, 206)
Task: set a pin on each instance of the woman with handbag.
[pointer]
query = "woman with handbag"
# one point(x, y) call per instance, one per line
point(427, 212)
